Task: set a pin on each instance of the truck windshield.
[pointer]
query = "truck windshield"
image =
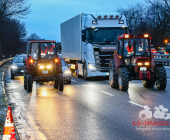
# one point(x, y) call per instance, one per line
point(104, 34)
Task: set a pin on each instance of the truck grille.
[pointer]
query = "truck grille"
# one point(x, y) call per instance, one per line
point(102, 60)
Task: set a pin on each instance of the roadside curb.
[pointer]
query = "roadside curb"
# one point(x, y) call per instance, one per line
point(8, 104)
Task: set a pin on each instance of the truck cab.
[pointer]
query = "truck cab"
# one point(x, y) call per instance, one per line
point(89, 42)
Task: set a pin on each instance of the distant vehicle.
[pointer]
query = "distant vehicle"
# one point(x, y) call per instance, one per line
point(17, 67)
point(66, 71)
point(88, 41)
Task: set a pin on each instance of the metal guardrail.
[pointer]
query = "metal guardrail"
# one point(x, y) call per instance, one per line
point(162, 58)
point(5, 60)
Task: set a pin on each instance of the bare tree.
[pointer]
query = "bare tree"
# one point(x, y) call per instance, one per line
point(14, 8)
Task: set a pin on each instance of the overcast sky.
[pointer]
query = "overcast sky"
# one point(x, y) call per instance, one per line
point(47, 15)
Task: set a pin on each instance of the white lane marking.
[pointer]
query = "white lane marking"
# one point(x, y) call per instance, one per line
point(106, 93)
point(137, 104)
point(73, 80)
point(107, 81)
point(86, 85)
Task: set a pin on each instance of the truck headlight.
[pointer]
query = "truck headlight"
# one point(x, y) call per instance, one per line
point(92, 67)
point(14, 67)
point(67, 72)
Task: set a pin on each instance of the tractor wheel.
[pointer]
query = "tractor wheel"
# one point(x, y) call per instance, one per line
point(25, 81)
point(123, 78)
point(113, 76)
point(60, 82)
point(29, 83)
point(56, 84)
point(148, 84)
point(161, 82)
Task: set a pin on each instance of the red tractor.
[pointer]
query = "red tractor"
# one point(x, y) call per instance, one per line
point(133, 60)
point(42, 64)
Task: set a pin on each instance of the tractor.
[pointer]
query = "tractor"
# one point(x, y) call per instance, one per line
point(133, 60)
point(42, 64)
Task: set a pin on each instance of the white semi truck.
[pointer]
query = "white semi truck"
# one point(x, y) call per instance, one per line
point(87, 42)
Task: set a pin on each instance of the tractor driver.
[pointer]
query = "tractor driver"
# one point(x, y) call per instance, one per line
point(129, 47)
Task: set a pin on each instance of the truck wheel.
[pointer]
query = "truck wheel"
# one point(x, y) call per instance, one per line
point(148, 84)
point(69, 82)
point(113, 76)
point(161, 82)
point(12, 76)
point(56, 84)
point(29, 83)
point(25, 81)
point(60, 82)
point(123, 78)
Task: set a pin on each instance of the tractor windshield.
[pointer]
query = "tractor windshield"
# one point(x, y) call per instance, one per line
point(47, 50)
point(139, 46)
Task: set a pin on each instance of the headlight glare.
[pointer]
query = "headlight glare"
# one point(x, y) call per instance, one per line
point(49, 67)
point(41, 67)
point(67, 72)
point(92, 67)
point(14, 67)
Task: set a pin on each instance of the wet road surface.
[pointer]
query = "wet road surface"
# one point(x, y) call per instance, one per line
point(87, 110)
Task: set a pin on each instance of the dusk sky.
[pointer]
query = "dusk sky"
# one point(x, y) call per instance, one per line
point(47, 15)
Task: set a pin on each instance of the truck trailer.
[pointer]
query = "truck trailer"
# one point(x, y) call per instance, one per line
point(87, 42)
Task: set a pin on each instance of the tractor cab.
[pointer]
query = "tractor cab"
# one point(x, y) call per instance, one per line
point(42, 64)
point(135, 53)
point(133, 60)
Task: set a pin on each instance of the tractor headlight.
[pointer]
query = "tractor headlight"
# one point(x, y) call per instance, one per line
point(147, 63)
point(49, 67)
point(92, 67)
point(67, 72)
point(139, 64)
point(41, 67)
point(14, 67)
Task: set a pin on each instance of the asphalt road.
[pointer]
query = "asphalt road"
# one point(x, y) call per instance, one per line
point(87, 110)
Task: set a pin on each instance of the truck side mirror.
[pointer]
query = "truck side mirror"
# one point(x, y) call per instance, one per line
point(95, 30)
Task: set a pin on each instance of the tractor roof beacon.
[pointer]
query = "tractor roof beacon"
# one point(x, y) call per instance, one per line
point(42, 64)
point(133, 60)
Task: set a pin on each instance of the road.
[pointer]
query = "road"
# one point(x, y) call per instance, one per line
point(86, 110)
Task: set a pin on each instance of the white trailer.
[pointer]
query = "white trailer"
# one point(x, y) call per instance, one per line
point(88, 41)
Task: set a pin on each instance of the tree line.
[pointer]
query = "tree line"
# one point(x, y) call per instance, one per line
point(12, 30)
point(152, 16)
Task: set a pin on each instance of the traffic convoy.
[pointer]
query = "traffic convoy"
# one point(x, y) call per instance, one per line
point(95, 46)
